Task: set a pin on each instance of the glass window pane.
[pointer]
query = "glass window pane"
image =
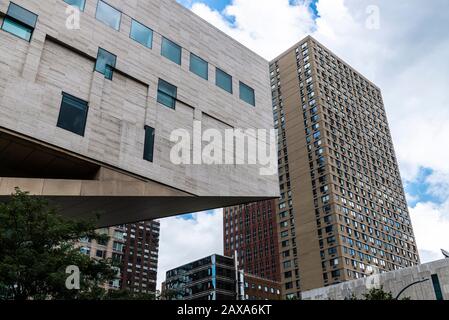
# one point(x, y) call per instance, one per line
point(73, 114)
point(141, 34)
point(223, 80)
point(106, 62)
point(17, 29)
point(76, 3)
point(247, 94)
point(166, 94)
point(108, 15)
point(171, 51)
point(199, 66)
point(22, 15)
point(149, 144)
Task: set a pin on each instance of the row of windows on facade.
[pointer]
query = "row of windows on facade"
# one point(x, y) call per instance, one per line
point(21, 22)
point(169, 49)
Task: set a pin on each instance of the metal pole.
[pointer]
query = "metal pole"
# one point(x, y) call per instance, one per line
point(410, 285)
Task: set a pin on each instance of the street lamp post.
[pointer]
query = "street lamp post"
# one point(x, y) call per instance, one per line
point(410, 285)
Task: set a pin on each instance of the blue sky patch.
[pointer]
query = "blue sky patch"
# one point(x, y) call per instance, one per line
point(419, 189)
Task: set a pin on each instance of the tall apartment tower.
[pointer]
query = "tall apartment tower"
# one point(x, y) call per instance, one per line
point(90, 113)
point(251, 230)
point(343, 213)
point(134, 248)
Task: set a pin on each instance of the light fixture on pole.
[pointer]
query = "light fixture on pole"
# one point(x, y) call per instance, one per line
point(445, 253)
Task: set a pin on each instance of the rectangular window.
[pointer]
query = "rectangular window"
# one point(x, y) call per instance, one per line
point(80, 4)
point(148, 151)
point(19, 22)
point(171, 50)
point(223, 80)
point(437, 287)
point(73, 114)
point(166, 94)
point(108, 15)
point(141, 34)
point(106, 62)
point(199, 67)
point(247, 94)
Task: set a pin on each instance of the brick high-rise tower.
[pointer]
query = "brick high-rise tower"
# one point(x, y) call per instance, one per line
point(252, 231)
point(343, 212)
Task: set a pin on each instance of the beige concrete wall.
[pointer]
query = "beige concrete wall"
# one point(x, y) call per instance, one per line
point(33, 75)
point(392, 282)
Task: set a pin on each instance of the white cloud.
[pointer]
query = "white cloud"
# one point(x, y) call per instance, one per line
point(267, 27)
point(185, 240)
point(431, 226)
point(406, 58)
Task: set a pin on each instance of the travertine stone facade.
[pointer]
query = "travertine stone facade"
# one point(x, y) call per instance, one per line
point(435, 286)
point(34, 74)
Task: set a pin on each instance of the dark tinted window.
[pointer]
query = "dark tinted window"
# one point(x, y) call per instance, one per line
point(19, 22)
point(80, 4)
point(247, 94)
point(171, 51)
point(199, 66)
point(106, 62)
point(223, 80)
point(73, 114)
point(166, 94)
point(141, 34)
point(149, 144)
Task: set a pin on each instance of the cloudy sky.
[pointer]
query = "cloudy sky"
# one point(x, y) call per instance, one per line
point(402, 46)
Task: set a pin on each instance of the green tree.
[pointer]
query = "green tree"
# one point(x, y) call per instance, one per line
point(377, 294)
point(37, 245)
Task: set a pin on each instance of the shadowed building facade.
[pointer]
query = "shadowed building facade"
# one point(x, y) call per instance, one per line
point(87, 114)
point(251, 231)
point(342, 211)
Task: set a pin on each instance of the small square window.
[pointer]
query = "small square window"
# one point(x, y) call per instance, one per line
point(108, 15)
point(171, 50)
point(148, 152)
point(19, 22)
point(167, 94)
point(80, 4)
point(106, 62)
point(199, 66)
point(223, 80)
point(247, 94)
point(73, 114)
point(141, 34)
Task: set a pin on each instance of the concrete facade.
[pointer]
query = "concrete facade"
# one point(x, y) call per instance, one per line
point(34, 74)
point(393, 282)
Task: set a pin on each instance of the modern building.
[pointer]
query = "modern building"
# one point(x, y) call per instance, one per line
point(91, 99)
point(210, 278)
point(342, 211)
point(251, 231)
point(134, 248)
point(428, 281)
point(217, 278)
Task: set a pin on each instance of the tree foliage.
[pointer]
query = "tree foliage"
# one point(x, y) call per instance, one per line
point(37, 244)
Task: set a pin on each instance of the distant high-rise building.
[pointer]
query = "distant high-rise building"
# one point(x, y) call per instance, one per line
point(251, 230)
point(134, 248)
point(216, 277)
point(140, 259)
point(343, 209)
